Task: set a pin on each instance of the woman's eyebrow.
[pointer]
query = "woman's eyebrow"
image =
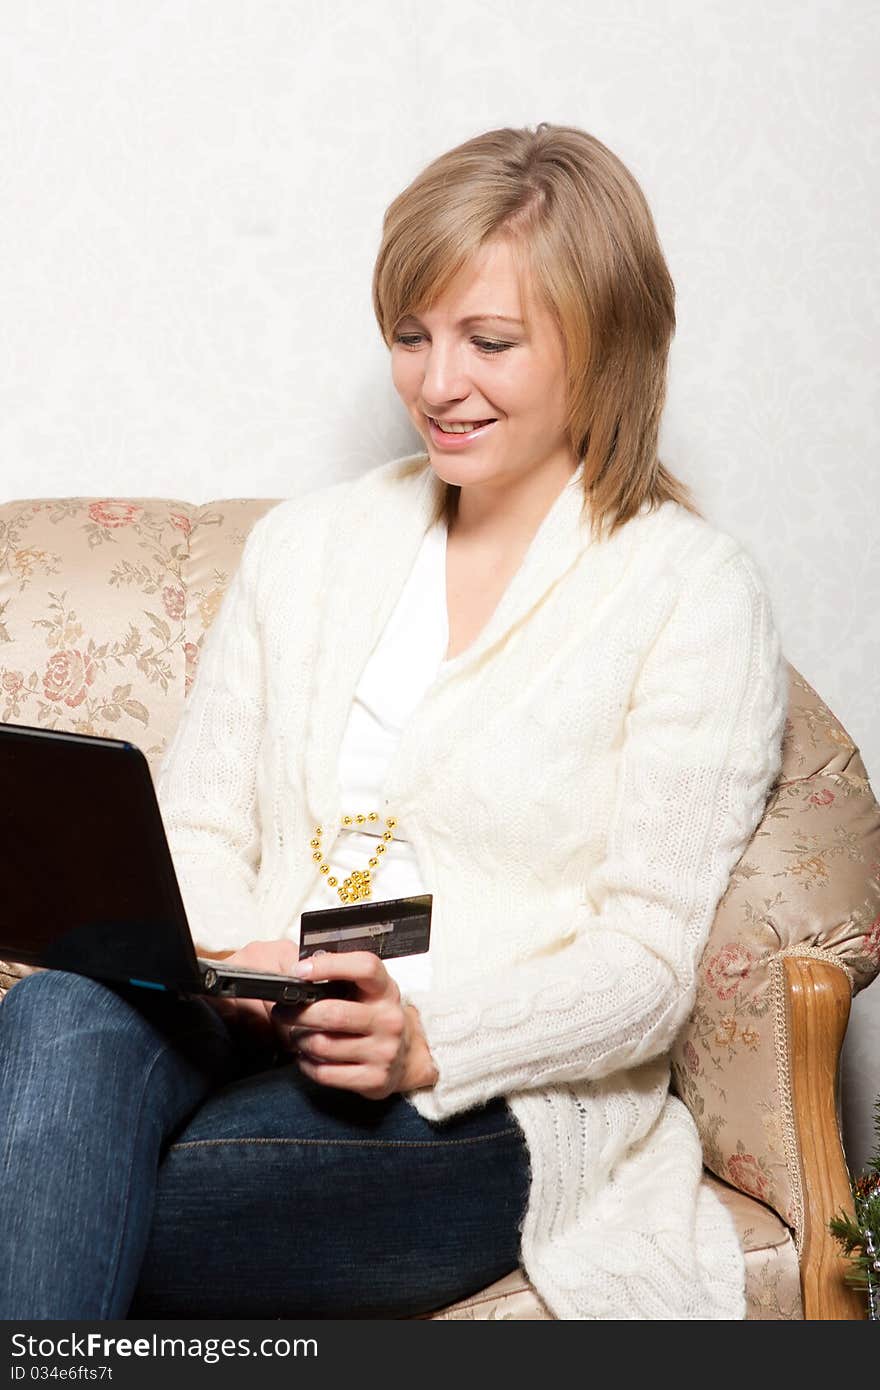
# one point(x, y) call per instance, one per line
point(481, 318)
point(502, 318)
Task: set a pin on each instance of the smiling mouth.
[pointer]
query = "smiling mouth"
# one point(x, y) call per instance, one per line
point(459, 426)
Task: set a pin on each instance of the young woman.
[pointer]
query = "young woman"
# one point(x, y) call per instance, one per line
point(518, 671)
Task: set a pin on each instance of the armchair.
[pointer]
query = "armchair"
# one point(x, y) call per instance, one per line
point(104, 607)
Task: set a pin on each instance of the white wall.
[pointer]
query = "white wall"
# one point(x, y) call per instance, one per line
point(192, 196)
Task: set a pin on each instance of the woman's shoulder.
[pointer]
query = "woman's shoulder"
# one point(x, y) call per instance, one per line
point(307, 517)
point(330, 499)
point(688, 545)
point(699, 572)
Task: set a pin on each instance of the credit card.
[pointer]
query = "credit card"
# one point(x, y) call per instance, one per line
point(395, 927)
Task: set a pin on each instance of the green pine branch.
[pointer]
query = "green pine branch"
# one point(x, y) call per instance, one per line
point(850, 1229)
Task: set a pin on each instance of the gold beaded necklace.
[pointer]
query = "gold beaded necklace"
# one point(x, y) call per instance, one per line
point(359, 884)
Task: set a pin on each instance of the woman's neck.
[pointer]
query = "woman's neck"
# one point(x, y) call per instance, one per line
point(505, 513)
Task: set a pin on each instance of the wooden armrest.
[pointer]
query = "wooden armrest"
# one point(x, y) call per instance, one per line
point(818, 999)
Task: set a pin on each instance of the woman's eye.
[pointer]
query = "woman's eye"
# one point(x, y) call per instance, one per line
point(486, 345)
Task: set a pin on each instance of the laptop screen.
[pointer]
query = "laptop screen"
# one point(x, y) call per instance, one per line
point(88, 882)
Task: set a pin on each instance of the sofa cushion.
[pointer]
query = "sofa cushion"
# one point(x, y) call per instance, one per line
point(104, 603)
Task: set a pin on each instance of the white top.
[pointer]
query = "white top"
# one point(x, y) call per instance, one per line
point(404, 663)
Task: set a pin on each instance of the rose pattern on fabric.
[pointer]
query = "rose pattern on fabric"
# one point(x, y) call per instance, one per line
point(174, 601)
point(729, 969)
point(691, 1059)
point(132, 617)
point(822, 798)
point(67, 676)
point(745, 1172)
point(111, 513)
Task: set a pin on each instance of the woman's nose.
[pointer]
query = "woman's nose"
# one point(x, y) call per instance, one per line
point(445, 379)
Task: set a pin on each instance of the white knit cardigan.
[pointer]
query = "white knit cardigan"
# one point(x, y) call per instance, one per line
point(577, 786)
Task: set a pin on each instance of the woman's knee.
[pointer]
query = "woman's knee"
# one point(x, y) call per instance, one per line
point(67, 1034)
point(58, 1006)
point(51, 995)
point(67, 1026)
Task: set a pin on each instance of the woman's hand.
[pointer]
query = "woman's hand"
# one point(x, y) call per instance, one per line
point(252, 1018)
point(373, 1045)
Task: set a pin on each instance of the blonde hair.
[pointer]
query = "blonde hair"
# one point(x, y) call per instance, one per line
point(582, 233)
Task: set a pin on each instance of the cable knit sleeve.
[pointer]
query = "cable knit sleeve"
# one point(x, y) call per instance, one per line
point(206, 784)
point(701, 750)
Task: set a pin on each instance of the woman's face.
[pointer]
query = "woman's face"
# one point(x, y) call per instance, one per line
point(462, 361)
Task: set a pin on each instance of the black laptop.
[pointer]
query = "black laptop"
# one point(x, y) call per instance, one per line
point(88, 882)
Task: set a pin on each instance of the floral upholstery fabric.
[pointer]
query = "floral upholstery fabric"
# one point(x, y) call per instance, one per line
point(104, 607)
point(104, 604)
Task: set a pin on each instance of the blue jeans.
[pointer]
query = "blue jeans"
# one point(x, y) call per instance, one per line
point(154, 1164)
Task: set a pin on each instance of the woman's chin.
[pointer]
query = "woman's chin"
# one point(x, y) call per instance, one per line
point(449, 471)
point(457, 467)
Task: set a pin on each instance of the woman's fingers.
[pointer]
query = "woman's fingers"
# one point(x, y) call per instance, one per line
point(330, 1016)
point(277, 957)
point(369, 1080)
point(254, 1016)
point(359, 1045)
point(327, 1047)
point(250, 1016)
point(364, 968)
